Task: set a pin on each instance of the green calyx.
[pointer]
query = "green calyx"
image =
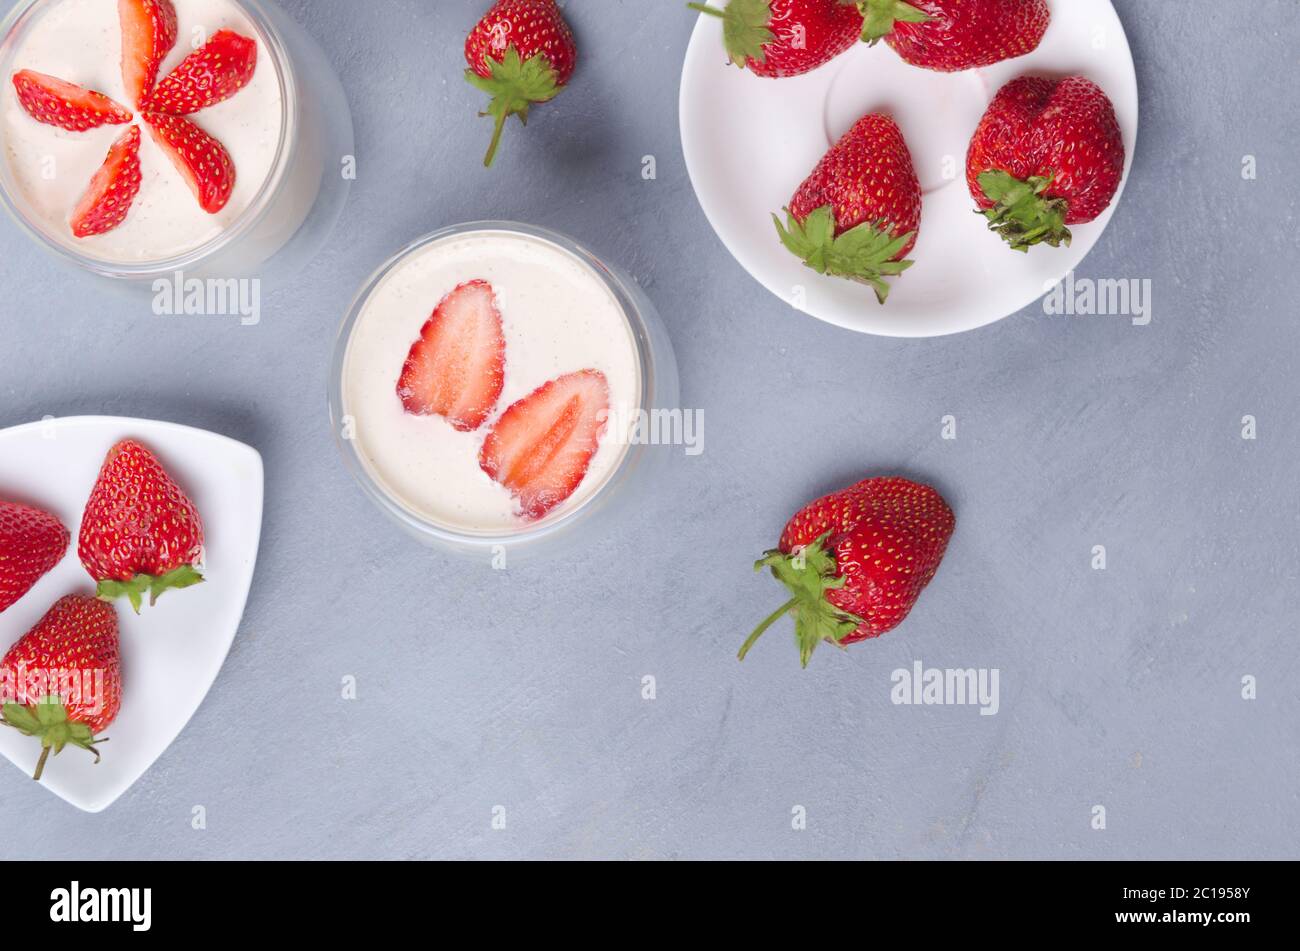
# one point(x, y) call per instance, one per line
point(745, 29)
point(515, 85)
point(808, 573)
point(185, 576)
point(1022, 213)
point(865, 253)
point(48, 722)
point(880, 16)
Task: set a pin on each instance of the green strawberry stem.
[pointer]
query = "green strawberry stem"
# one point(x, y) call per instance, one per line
point(809, 573)
point(865, 254)
point(515, 86)
point(1022, 213)
point(48, 721)
point(155, 586)
point(759, 631)
point(744, 28)
point(881, 15)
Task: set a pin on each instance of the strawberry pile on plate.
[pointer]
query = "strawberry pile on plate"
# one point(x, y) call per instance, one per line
point(211, 74)
point(540, 449)
point(140, 535)
point(1048, 153)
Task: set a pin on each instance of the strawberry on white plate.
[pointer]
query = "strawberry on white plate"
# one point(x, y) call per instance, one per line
point(173, 651)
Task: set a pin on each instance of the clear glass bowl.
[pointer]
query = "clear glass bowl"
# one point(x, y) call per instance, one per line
point(297, 206)
point(659, 391)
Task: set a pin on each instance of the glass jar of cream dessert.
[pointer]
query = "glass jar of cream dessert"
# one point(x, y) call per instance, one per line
point(491, 385)
point(147, 137)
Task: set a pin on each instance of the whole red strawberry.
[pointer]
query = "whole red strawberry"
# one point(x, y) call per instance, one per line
point(779, 38)
point(856, 561)
point(858, 214)
point(1047, 154)
point(522, 52)
point(952, 35)
point(31, 543)
point(67, 676)
point(140, 532)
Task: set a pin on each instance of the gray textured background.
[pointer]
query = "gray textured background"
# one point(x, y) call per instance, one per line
point(522, 688)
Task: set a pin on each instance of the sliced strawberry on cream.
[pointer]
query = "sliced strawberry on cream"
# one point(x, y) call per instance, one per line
point(66, 105)
point(542, 446)
point(456, 369)
point(148, 35)
point(112, 190)
point(209, 75)
point(201, 159)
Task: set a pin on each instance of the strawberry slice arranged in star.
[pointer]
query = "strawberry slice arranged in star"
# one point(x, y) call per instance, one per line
point(203, 161)
point(541, 447)
point(148, 35)
point(456, 369)
point(112, 190)
point(66, 105)
point(211, 74)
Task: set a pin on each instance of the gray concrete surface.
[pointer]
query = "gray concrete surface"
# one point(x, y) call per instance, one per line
point(523, 689)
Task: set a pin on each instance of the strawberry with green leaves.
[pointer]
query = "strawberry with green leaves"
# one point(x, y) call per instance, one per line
point(1048, 154)
point(140, 533)
point(858, 214)
point(521, 53)
point(31, 543)
point(855, 562)
point(954, 35)
point(72, 659)
point(780, 38)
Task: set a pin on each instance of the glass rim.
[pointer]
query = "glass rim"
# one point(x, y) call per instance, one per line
point(252, 216)
point(528, 534)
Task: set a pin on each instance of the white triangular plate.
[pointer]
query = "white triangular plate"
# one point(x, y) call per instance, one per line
point(171, 654)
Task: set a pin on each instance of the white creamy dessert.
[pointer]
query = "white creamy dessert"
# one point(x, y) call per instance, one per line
point(558, 317)
point(48, 168)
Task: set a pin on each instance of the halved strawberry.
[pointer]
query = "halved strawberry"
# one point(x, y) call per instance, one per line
point(201, 159)
point(148, 35)
point(209, 75)
point(541, 447)
point(111, 191)
point(66, 105)
point(457, 367)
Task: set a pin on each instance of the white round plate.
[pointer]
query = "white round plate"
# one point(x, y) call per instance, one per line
point(749, 143)
point(172, 652)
